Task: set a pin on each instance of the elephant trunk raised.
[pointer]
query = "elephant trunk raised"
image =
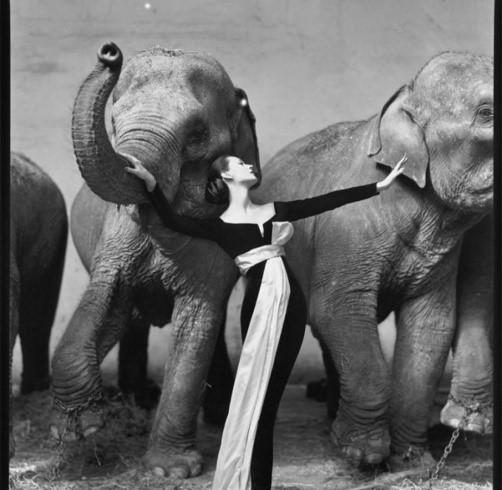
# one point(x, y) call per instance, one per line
point(100, 165)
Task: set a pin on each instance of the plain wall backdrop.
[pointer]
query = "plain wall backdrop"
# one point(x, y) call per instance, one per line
point(304, 64)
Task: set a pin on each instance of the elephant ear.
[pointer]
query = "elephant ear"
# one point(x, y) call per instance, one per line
point(395, 133)
point(245, 142)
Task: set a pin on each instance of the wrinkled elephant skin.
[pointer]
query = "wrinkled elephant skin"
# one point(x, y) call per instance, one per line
point(38, 235)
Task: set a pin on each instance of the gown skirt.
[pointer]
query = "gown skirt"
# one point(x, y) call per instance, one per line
point(233, 467)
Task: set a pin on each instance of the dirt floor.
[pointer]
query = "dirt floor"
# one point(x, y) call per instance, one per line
point(304, 455)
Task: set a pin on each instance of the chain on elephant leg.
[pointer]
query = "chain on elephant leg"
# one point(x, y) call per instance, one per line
point(476, 416)
point(72, 422)
point(469, 410)
point(79, 421)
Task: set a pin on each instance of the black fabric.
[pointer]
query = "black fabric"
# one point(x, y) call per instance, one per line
point(289, 345)
point(236, 239)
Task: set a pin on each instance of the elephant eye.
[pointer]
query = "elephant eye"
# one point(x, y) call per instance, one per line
point(197, 140)
point(198, 131)
point(484, 114)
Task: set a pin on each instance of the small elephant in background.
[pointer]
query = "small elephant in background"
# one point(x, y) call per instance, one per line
point(400, 252)
point(176, 111)
point(38, 236)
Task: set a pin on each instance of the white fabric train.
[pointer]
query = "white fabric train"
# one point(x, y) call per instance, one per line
point(233, 468)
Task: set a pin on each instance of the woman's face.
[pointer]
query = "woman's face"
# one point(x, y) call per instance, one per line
point(240, 172)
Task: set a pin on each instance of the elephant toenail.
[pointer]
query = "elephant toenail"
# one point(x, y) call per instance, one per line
point(354, 453)
point(454, 422)
point(196, 470)
point(159, 471)
point(54, 432)
point(70, 436)
point(374, 458)
point(474, 428)
point(179, 473)
point(90, 430)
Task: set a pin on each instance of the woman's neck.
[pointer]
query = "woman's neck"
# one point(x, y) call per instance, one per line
point(240, 202)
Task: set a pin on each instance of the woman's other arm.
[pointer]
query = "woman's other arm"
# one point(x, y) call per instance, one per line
point(199, 228)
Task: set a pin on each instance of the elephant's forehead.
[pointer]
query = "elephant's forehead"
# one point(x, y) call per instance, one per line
point(457, 71)
point(184, 67)
point(447, 82)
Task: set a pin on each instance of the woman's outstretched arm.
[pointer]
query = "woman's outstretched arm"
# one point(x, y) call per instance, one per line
point(196, 227)
point(303, 208)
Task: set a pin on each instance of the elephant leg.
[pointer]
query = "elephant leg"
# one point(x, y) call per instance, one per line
point(96, 326)
point(425, 327)
point(38, 303)
point(345, 323)
point(14, 290)
point(220, 382)
point(471, 394)
point(133, 363)
point(171, 447)
point(332, 383)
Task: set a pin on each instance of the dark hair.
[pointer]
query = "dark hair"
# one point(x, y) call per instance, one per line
point(216, 187)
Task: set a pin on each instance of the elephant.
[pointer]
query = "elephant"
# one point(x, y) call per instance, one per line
point(399, 252)
point(38, 236)
point(177, 111)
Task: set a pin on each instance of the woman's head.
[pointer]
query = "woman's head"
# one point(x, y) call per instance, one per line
point(224, 171)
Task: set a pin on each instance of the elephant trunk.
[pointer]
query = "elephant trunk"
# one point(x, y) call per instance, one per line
point(101, 167)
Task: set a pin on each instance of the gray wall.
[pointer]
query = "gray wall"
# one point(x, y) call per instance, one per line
point(304, 64)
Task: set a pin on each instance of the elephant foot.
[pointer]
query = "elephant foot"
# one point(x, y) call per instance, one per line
point(413, 457)
point(470, 416)
point(71, 424)
point(361, 444)
point(179, 464)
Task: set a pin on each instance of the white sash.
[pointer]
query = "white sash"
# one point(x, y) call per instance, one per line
point(233, 468)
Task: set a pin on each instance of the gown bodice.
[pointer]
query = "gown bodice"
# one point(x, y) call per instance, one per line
point(238, 238)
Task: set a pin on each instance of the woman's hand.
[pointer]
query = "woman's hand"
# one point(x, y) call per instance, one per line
point(389, 180)
point(139, 171)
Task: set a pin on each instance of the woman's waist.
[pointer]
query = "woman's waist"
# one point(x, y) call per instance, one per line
point(257, 269)
point(249, 259)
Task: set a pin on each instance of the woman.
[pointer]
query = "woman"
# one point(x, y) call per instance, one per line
point(274, 312)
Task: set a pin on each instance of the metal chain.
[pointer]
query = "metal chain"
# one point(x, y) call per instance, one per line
point(73, 421)
point(92, 400)
point(447, 450)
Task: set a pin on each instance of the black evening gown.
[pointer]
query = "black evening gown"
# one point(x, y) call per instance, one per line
point(272, 325)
